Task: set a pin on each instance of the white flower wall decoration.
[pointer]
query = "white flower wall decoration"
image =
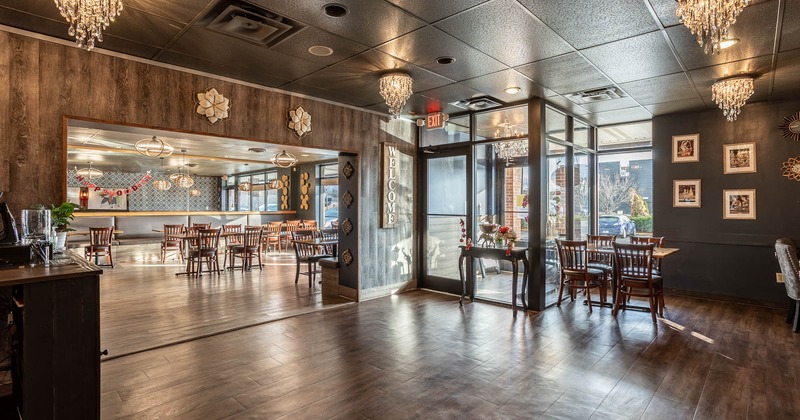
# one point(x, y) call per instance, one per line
point(213, 105)
point(300, 121)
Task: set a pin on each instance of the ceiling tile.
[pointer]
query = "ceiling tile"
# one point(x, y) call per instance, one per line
point(506, 31)
point(357, 77)
point(298, 44)
point(180, 10)
point(623, 115)
point(250, 74)
point(144, 28)
point(495, 83)
point(610, 105)
point(787, 76)
point(790, 30)
point(705, 77)
point(670, 88)
point(685, 105)
point(331, 95)
point(755, 30)
point(212, 46)
point(635, 58)
point(566, 73)
point(451, 93)
point(431, 11)
point(424, 46)
point(586, 24)
point(568, 105)
point(665, 9)
point(368, 22)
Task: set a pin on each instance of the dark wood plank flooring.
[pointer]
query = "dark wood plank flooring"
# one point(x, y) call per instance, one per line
point(419, 355)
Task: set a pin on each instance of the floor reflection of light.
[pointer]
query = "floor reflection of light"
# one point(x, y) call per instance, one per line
point(696, 334)
point(673, 325)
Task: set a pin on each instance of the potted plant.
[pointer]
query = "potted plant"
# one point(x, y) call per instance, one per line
point(61, 216)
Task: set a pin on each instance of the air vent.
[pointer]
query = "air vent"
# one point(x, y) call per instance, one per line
point(478, 103)
point(595, 95)
point(250, 23)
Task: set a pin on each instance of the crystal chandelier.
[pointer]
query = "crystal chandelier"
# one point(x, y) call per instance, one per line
point(709, 20)
point(284, 160)
point(154, 147)
point(510, 149)
point(162, 184)
point(88, 18)
point(396, 89)
point(731, 95)
point(89, 172)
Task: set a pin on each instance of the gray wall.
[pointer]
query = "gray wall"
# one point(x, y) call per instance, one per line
point(149, 198)
point(726, 257)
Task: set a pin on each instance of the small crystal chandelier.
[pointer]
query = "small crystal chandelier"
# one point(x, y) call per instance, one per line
point(181, 179)
point(731, 95)
point(89, 172)
point(396, 89)
point(275, 184)
point(154, 147)
point(284, 160)
point(195, 192)
point(88, 18)
point(511, 149)
point(709, 20)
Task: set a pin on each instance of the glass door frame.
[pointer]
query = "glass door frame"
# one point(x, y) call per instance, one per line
point(460, 149)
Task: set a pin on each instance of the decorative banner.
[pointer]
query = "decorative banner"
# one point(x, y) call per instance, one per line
point(389, 182)
point(110, 193)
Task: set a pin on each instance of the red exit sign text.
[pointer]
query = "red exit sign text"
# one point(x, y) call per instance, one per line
point(437, 120)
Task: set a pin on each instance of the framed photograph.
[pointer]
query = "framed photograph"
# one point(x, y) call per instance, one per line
point(740, 158)
point(686, 193)
point(739, 204)
point(106, 203)
point(686, 148)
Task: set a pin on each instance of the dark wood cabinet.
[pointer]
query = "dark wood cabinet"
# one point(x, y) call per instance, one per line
point(56, 369)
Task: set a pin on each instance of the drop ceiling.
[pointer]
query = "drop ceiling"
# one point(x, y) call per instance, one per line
point(549, 49)
point(111, 147)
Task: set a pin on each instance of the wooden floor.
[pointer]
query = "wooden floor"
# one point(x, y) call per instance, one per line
point(419, 355)
point(144, 305)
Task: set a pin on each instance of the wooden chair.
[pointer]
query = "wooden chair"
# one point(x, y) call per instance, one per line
point(272, 236)
point(330, 235)
point(309, 224)
point(100, 243)
point(601, 261)
point(306, 253)
point(291, 226)
point(170, 241)
point(575, 273)
point(251, 245)
point(786, 253)
point(231, 240)
point(659, 243)
point(202, 225)
point(207, 243)
point(633, 265)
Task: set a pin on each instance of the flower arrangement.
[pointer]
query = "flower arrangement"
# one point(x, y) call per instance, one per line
point(507, 235)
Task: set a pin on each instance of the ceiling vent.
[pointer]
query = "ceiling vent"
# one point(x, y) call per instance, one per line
point(253, 24)
point(478, 103)
point(595, 95)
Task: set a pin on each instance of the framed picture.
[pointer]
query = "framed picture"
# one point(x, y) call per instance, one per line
point(686, 148)
point(739, 204)
point(740, 158)
point(106, 203)
point(686, 193)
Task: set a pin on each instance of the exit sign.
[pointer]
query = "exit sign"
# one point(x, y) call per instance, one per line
point(437, 120)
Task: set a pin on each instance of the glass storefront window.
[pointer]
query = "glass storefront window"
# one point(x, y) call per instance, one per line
point(455, 130)
point(625, 193)
point(625, 136)
point(555, 124)
point(580, 133)
point(581, 207)
point(555, 217)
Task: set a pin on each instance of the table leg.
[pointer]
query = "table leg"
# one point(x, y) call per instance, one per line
point(515, 273)
point(525, 282)
point(463, 280)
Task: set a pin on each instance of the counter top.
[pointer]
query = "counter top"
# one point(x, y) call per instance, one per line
point(175, 213)
point(76, 267)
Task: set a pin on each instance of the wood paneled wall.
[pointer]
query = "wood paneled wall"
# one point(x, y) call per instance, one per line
point(47, 81)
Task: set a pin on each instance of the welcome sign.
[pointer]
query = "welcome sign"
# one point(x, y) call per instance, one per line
point(390, 175)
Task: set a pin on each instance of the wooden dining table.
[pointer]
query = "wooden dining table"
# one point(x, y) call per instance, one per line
point(658, 253)
point(186, 237)
point(86, 232)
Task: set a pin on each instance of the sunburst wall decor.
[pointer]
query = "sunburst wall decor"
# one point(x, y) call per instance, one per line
point(791, 127)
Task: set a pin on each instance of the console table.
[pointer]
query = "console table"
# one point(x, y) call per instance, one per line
point(515, 256)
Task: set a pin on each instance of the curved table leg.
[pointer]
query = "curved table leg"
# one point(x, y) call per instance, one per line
point(463, 280)
point(525, 282)
point(515, 272)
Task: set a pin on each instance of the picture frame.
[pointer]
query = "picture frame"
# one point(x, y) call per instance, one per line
point(686, 193)
point(739, 158)
point(98, 202)
point(686, 148)
point(739, 204)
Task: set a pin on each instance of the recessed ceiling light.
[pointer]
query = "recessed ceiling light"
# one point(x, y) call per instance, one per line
point(727, 43)
point(191, 165)
point(512, 90)
point(446, 60)
point(335, 10)
point(320, 50)
point(256, 150)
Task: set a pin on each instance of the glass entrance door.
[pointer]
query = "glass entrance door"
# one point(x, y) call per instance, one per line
point(444, 209)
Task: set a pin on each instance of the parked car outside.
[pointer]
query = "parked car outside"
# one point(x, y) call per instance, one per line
point(620, 225)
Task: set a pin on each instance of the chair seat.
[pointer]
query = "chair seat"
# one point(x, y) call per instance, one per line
point(592, 272)
point(600, 266)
